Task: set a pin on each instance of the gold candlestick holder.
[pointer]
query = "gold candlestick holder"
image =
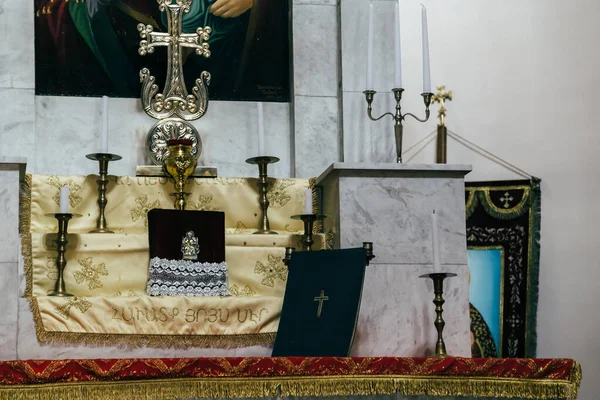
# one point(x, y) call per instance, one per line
point(309, 222)
point(397, 116)
point(61, 247)
point(264, 226)
point(438, 290)
point(102, 181)
point(368, 246)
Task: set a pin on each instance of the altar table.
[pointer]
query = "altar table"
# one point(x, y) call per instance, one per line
point(257, 377)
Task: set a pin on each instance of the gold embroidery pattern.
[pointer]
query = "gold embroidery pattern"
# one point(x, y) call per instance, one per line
point(74, 198)
point(277, 195)
point(141, 211)
point(242, 229)
point(79, 303)
point(275, 269)
point(202, 205)
point(130, 293)
point(245, 292)
point(52, 273)
point(90, 273)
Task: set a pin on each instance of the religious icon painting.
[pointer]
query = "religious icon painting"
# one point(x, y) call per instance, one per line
point(90, 48)
point(503, 228)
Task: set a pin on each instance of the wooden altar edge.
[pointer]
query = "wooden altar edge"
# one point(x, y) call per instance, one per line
point(348, 385)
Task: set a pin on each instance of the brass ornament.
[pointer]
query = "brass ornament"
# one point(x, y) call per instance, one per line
point(440, 97)
point(189, 246)
point(175, 102)
point(180, 164)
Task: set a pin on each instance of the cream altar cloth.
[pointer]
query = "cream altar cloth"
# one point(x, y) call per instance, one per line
point(107, 273)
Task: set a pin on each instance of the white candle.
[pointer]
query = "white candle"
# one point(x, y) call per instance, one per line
point(425, 36)
point(104, 137)
point(437, 264)
point(370, 49)
point(308, 201)
point(261, 130)
point(64, 200)
point(398, 48)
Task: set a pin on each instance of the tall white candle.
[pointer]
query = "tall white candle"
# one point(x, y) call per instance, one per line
point(64, 199)
point(425, 36)
point(104, 137)
point(308, 201)
point(437, 263)
point(398, 52)
point(370, 49)
point(261, 130)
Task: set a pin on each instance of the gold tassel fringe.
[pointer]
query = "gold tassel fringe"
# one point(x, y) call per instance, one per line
point(25, 206)
point(186, 388)
point(162, 341)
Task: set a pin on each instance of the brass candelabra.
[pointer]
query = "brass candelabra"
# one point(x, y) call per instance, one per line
point(289, 251)
point(397, 116)
point(309, 223)
point(61, 247)
point(102, 181)
point(438, 290)
point(264, 226)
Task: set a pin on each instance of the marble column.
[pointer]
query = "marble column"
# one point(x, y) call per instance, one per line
point(316, 130)
point(391, 206)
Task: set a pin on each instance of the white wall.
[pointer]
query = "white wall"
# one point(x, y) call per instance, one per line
point(525, 77)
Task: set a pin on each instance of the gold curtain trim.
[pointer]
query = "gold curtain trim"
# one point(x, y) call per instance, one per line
point(25, 206)
point(301, 386)
point(215, 341)
point(27, 263)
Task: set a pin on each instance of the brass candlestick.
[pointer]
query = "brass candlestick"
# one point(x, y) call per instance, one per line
point(438, 289)
point(398, 117)
point(180, 163)
point(263, 186)
point(368, 246)
point(289, 251)
point(309, 223)
point(102, 181)
point(61, 247)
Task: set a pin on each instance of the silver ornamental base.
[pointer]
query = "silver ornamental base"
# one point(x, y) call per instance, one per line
point(165, 130)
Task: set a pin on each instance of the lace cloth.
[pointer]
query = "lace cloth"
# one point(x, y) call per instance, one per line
point(187, 278)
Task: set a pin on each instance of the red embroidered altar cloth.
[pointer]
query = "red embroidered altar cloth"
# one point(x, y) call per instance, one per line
point(288, 376)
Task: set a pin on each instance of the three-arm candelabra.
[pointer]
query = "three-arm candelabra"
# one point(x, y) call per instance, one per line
point(397, 116)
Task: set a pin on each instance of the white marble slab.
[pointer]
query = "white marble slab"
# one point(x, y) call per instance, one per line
point(228, 133)
point(9, 216)
point(397, 313)
point(9, 293)
point(316, 50)
point(319, 2)
point(317, 134)
point(17, 114)
point(17, 50)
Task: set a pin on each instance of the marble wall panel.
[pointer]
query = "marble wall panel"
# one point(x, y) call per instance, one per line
point(228, 132)
point(17, 51)
point(317, 136)
point(395, 214)
point(17, 116)
point(9, 216)
point(397, 313)
point(9, 292)
point(319, 2)
point(315, 32)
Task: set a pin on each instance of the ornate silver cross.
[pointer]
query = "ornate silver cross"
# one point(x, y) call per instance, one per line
point(175, 99)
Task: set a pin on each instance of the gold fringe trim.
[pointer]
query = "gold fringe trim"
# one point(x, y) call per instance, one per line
point(25, 206)
point(164, 341)
point(27, 253)
point(186, 388)
point(316, 205)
